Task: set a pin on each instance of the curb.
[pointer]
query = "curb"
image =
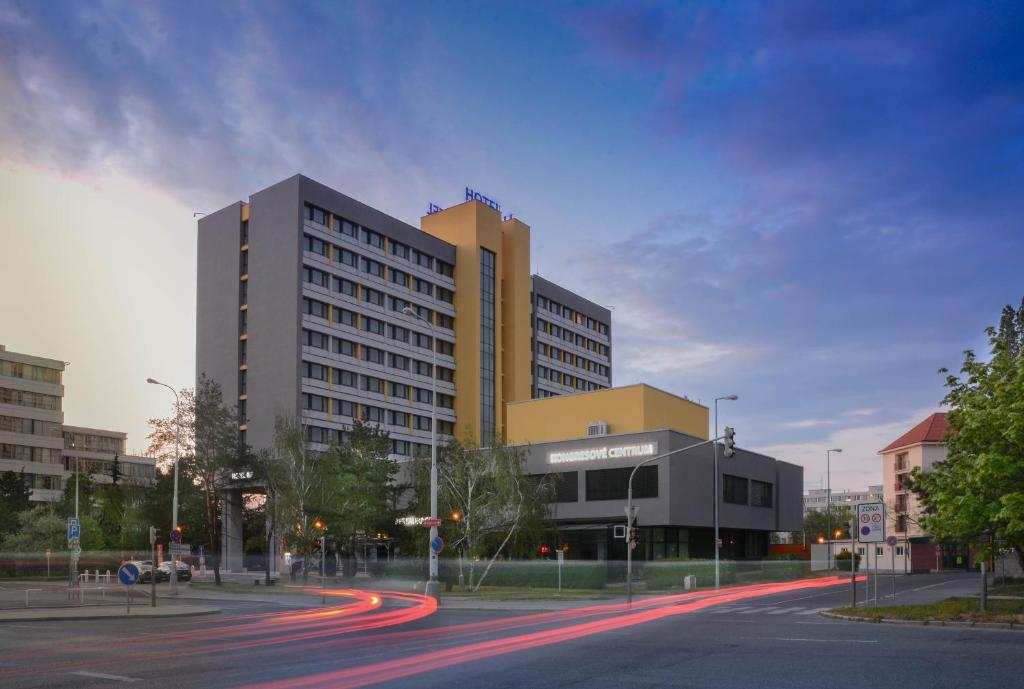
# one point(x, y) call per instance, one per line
point(43, 617)
point(926, 623)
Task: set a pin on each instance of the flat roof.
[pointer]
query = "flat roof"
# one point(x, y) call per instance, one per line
point(606, 391)
point(30, 359)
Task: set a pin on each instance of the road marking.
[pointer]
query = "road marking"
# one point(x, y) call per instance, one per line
point(813, 611)
point(832, 641)
point(719, 611)
point(751, 611)
point(782, 611)
point(102, 675)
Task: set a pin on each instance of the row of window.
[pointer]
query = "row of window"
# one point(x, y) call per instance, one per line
point(13, 369)
point(372, 414)
point(36, 400)
point(326, 436)
point(92, 442)
point(341, 377)
point(374, 355)
point(574, 382)
point(740, 491)
point(343, 316)
point(567, 335)
point(375, 239)
point(321, 278)
point(604, 484)
point(574, 316)
point(571, 359)
point(13, 424)
point(23, 453)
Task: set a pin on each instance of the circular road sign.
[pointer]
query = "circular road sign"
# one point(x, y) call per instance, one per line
point(865, 530)
point(175, 535)
point(128, 573)
point(437, 545)
point(891, 541)
point(76, 550)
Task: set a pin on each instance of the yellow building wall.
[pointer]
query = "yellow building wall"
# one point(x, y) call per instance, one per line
point(471, 226)
point(629, 409)
point(516, 331)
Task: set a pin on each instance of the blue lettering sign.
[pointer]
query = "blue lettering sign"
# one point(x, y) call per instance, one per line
point(477, 196)
point(433, 208)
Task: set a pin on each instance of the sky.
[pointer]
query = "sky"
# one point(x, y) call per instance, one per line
point(814, 206)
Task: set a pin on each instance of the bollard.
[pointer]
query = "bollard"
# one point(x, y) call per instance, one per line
point(108, 577)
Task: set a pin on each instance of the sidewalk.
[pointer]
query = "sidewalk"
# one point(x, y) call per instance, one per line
point(97, 612)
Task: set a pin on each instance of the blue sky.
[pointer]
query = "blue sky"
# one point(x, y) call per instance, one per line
point(812, 205)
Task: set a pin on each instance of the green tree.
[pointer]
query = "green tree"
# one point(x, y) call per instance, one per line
point(15, 497)
point(816, 524)
point(976, 495)
point(41, 527)
point(496, 501)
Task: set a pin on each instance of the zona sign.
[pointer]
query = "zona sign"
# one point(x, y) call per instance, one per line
point(871, 522)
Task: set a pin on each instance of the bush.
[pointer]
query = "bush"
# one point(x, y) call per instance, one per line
point(841, 560)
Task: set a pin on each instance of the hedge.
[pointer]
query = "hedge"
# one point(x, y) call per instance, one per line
point(670, 573)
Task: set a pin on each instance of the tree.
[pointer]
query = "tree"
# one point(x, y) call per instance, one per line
point(15, 497)
point(495, 499)
point(816, 524)
point(976, 495)
point(359, 496)
point(41, 528)
point(209, 442)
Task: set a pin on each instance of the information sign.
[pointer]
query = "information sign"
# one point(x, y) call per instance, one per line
point(871, 522)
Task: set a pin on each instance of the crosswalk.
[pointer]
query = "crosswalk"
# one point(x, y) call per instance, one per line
point(796, 610)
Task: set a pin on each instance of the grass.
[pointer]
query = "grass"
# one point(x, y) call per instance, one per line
point(526, 593)
point(231, 587)
point(1007, 590)
point(949, 610)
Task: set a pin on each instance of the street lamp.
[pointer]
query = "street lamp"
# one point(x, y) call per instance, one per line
point(828, 502)
point(173, 583)
point(433, 585)
point(718, 498)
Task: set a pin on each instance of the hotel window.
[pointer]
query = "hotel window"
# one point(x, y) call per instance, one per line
point(396, 304)
point(400, 447)
point(346, 257)
point(421, 423)
point(399, 249)
point(345, 286)
point(346, 228)
point(421, 340)
point(734, 489)
point(374, 268)
point(313, 307)
point(344, 316)
point(398, 418)
point(399, 390)
point(445, 401)
point(243, 293)
point(487, 344)
point(421, 368)
point(372, 296)
point(371, 384)
point(445, 427)
point(398, 277)
point(423, 287)
point(611, 484)
point(446, 269)
point(316, 246)
point(313, 371)
point(373, 355)
point(245, 232)
point(397, 332)
point(445, 321)
point(760, 494)
point(373, 325)
point(344, 347)
point(243, 348)
point(422, 396)
point(445, 295)
point(373, 414)
point(398, 361)
point(344, 408)
point(445, 347)
point(345, 378)
point(422, 259)
point(315, 277)
point(447, 375)
point(373, 238)
point(312, 338)
point(317, 215)
point(243, 267)
point(566, 484)
point(314, 402)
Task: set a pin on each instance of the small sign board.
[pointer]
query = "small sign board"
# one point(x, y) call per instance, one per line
point(128, 574)
point(437, 545)
point(76, 551)
point(891, 541)
point(175, 535)
point(431, 522)
point(74, 529)
point(871, 522)
point(180, 549)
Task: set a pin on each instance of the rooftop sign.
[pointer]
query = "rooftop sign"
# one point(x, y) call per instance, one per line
point(472, 195)
point(595, 453)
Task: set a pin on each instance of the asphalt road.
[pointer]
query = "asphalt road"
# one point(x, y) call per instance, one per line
point(753, 640)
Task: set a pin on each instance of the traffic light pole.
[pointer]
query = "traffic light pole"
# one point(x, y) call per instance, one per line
point(629, 507)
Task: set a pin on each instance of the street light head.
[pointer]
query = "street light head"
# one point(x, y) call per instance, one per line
point(151, 381)
point(836, 449)
point(731, 397)
point(408, 311)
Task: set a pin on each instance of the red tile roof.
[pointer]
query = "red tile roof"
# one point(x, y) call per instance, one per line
point(931, 430)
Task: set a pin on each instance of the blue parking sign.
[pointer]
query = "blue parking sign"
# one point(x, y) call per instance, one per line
point(74, 529)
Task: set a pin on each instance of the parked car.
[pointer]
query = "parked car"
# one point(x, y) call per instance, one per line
point(146, 572)
point(184, 571)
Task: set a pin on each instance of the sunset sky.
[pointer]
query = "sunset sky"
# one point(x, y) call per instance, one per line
point(812, 205)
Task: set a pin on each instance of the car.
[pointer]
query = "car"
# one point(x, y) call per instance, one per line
point(146, 571)
point(184, 571)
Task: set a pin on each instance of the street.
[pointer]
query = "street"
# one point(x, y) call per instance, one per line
point(745, 637)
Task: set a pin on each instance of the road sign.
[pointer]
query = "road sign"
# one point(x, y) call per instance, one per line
point(74, 529)
point(431, 522)
point(871, 522)
point(437, 545)
point(76, 551)
point(891, 541)
point(180, 549)
point(202, 549)
point(175, 535)
point(128, 574)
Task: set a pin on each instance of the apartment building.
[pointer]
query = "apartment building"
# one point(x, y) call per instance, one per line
point(920, 447)
point(314, 305)
point(816, 499)
point(35, 442)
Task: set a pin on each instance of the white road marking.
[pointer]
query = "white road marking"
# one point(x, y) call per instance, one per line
point(102, 675)
point(751, 611)
point(782, 611)
point(719, 611)
point(832, 641)
point(813, 611)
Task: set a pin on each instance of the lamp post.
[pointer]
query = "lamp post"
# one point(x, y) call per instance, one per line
point(629, 510)
point(718, 497)
point(828, 504)
point(173, 583)
point(433, 588)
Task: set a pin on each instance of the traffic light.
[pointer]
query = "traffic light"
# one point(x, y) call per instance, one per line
point(318, 524)
point(544, 550)
point(634, 537)
point(730, 441)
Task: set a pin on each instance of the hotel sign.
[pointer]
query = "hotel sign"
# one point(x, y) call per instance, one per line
point(596, 453)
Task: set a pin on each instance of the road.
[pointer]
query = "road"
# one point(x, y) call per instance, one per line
point(744, 639)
